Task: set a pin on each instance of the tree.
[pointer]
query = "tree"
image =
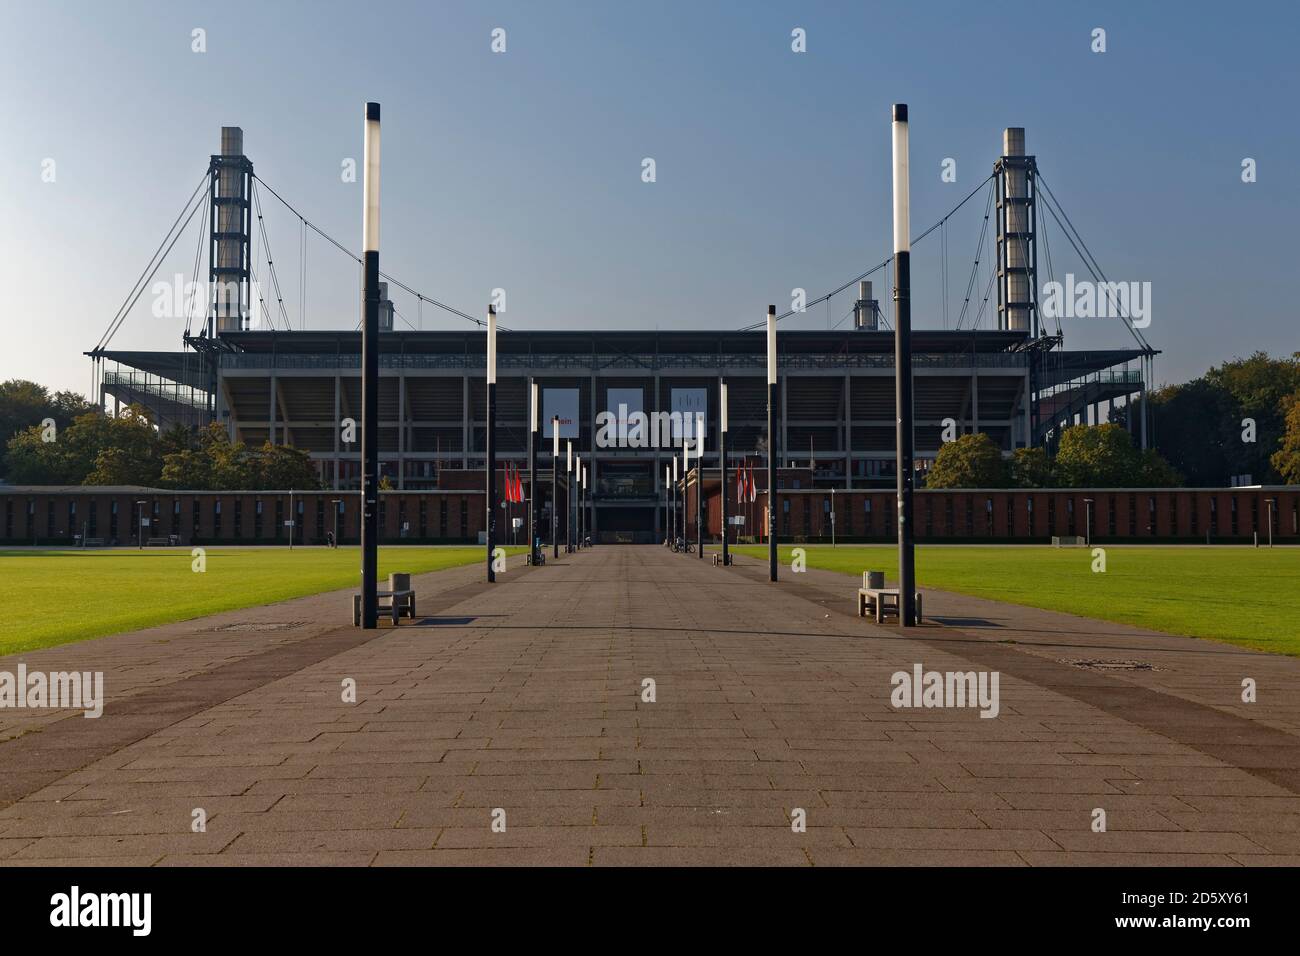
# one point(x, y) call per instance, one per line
point(73, 457)
point(1286, 460)
point(281, 467)
point(213, 462)
point(1031, 468)
point(971, 461)
point(1198, 426)
point(24, 404)
point(125, 448)
point(1103, 456)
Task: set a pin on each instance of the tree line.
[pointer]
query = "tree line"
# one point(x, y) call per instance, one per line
point(58, 439)
point(1239, 418)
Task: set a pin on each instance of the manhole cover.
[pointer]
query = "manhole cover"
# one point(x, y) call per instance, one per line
point(260, 626)
point(1100, 665)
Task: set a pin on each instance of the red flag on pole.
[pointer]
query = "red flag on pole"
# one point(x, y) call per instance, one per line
point(519, 485)
point(510, 484)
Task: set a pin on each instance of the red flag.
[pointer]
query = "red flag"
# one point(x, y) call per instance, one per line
point(510, 484)
point(519, 485)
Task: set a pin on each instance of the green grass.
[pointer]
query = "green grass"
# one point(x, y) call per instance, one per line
point(56, 597)
point(1244, 596)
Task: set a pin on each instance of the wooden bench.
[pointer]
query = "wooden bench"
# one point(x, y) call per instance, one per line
point(161, 542)
point(883, 601)
point(92, 542)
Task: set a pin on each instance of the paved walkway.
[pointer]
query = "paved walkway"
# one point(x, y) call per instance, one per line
point(525, 700)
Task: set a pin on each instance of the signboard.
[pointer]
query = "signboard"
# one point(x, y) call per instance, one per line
point(144, 522)
point(633, 398)
point(736, 519)
point(564, 403)
point(516, 523)
point(288, 524)
point(687, 404)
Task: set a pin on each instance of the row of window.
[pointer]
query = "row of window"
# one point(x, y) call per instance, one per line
point(90, 524)
point(1070, 523)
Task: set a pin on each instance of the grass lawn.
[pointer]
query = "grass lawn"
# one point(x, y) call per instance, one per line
point(1244, 596)
point(56, 597)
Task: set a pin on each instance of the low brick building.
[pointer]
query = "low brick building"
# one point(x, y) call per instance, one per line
point(61, 516)
point(1134, 515)
point(115, 515)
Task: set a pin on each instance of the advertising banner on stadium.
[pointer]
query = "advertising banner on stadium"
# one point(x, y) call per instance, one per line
point(632, 400)
point(564, 403)
point(687, 404)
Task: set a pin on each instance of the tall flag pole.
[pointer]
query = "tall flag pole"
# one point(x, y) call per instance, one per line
point(370, 377)
point(903, 370)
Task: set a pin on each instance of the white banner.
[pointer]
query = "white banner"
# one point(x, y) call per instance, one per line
point(564, 403)
point(633, 400)
point(688, 403)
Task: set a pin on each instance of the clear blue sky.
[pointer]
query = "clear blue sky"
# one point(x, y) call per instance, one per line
point(522, 170)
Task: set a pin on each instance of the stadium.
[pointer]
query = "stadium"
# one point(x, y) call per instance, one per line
point(1014, 383)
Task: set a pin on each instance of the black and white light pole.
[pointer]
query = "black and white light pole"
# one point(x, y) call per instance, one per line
point(903, 370)
point(668, 506)
point(674, 487)
point(337, 505)
point(555, 484)
point(583, 528)
point(771, 442)
point(699, 487)
point(577, 496)
point(722, 465)
point(491, 440)
point(686, 480)
point(532, 473)
point(370, 378)
point(568, 496)
point(1087, 527)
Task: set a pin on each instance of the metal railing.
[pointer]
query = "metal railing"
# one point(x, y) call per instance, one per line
point(651, 363)
point(158, 387)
